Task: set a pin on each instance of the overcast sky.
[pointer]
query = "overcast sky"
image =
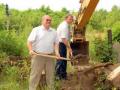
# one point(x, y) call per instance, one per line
point(57, 4)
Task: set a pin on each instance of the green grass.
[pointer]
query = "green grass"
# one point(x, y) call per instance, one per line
point(9, 83)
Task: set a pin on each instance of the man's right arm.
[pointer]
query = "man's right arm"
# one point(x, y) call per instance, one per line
point(66, 42)
point(31, 39)
point(29, 45)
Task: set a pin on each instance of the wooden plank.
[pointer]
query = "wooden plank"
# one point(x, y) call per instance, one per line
point(114, 74)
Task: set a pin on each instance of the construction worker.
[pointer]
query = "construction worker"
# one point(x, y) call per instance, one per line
point(43, 40)
point(63, 32)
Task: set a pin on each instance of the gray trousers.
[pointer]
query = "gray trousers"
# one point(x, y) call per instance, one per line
point(38, 64)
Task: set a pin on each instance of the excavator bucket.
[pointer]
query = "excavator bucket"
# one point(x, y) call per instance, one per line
point(81, 49)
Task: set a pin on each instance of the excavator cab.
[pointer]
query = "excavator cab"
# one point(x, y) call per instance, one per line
point(79, 44)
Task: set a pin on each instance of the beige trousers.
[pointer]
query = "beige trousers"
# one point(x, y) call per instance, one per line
point(38, 64)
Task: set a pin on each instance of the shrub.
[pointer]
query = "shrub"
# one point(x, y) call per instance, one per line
point(102, 50)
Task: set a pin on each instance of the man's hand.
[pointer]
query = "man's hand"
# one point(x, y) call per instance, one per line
point(31, 52)
point(70, 52)
point(58, 56)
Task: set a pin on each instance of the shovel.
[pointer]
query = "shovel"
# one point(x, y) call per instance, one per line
point(52, 56)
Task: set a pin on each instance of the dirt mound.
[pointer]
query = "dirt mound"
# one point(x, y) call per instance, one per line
point(91, 77)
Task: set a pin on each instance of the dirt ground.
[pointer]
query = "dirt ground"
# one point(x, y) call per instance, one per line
point(91, 77)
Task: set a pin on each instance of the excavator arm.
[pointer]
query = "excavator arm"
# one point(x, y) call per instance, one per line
point(79, 43)
point(85, 12)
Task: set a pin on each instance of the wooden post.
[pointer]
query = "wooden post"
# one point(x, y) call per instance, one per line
point(7, 16)
point(110, 42)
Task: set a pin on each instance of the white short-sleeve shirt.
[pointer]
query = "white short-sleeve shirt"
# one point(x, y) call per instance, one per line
point(43, 40)
point(63, 31)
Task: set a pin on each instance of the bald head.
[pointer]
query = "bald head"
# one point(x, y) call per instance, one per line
point(45, 16)
point(46, 21)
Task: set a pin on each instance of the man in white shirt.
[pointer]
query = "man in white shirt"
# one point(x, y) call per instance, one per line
point(63, 32)
point(42, 39)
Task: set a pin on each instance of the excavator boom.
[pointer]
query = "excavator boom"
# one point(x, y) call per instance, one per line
point(86, 10)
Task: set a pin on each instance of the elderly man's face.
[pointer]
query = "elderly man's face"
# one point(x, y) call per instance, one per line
point(47, 21)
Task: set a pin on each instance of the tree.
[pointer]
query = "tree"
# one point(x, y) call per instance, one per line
point(98, 19)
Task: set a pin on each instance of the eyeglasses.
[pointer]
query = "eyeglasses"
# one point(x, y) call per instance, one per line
point(71, 19)
point(48, 20)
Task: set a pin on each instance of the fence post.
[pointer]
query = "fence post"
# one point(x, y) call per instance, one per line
point(109, 31)
point(7, 16)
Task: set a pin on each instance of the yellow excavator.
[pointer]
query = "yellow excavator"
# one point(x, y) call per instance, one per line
point(79, 44)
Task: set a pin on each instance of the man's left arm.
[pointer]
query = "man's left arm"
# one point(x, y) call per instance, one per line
point(56, 46)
